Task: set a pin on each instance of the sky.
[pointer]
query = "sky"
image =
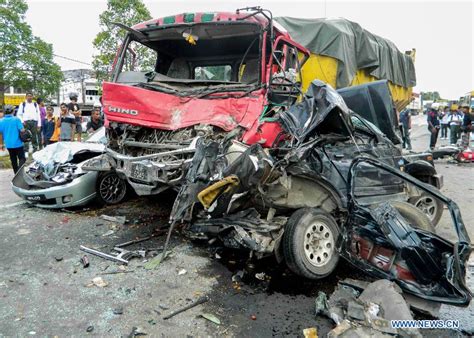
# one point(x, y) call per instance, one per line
point(441, 31)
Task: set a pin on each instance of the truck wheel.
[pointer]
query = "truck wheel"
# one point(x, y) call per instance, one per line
point(416, 217)
point(430, 206)
point(309, 243)
point(110, 188)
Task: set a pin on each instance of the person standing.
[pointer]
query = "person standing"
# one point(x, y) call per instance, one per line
point(42, 110)
point(444, 123)
point(10, 128)
point(29, 114)
point(73, 107)
point(467, 127)
point(49, 127)
point(405, 121)
point(67, 124)
point(95, 122)
point(433, 127)
point(455, 121)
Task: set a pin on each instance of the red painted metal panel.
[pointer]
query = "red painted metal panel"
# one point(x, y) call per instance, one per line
point(165, 111)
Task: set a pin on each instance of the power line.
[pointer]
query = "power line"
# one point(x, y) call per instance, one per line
point(66, 58)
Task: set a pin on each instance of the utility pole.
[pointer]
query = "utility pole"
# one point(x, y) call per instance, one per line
point(82, 87)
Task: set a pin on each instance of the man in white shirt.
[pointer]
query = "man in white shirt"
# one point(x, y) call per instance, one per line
point(29, 114)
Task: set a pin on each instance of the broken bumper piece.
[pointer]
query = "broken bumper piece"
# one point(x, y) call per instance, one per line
point(147, 174)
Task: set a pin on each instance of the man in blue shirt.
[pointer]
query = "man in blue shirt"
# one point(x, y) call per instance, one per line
point(10, 128)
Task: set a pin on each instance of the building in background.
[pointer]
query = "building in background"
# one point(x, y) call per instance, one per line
point(83, 83)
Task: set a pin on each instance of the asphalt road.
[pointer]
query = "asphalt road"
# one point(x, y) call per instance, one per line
point(44, 290)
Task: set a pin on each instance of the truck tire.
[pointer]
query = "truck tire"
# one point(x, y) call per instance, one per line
point(416, 217)
point(430, 206)
point(309, 243)
point(110, 188)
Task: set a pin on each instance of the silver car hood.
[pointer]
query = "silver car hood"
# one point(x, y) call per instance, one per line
point(63, 152)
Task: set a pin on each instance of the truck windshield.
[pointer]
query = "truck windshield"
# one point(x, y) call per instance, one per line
point(190, 57)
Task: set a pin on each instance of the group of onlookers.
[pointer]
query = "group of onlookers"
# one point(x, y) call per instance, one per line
point(42, 128)
point(457, 121)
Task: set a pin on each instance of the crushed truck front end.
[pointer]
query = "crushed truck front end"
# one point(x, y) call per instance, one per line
point(191, 76)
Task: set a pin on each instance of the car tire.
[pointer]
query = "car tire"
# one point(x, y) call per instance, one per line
point(414, 216)
point(430, 206)
point(309, 243)
point(110, 188)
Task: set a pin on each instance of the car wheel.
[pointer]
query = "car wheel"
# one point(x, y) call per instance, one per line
point(110, 188)
point(416, 217)
point(430, 206)
point(309, 243)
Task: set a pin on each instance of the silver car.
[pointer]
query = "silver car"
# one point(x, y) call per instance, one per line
point(56, 179)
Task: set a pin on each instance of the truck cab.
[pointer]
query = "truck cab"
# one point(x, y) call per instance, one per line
point(196, 75)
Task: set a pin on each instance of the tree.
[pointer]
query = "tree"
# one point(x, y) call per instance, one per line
point(127, 12)
point(26, 61)
point(431, 96)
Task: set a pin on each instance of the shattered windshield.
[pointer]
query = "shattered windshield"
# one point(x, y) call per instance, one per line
point(189, 58)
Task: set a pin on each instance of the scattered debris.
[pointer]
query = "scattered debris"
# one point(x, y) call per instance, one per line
point(58, 258)
point(211, 318)
point(311, 332)
point(152, 322)
point(98, 281)
point(237, 277)
point(32, 333)
point(139, 240)
point(90, 328)
point(136, 331)
point(367, 313)
point(116, 219)
point(118, 311)
point(321, 303)
point(84, 261)
point(108, 233)
point(23, 231)
point(122, 256)
point(182, 272)
point(200, 300)
point(260, 276)
point(116, 272)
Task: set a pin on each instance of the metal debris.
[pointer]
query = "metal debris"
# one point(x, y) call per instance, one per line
point(200, 300)
point(121, 255)
point(116, 219)
point(85, 261)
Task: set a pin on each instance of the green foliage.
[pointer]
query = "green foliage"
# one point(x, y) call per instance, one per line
point(434, 96)
point(26, 61)
point(107, 41)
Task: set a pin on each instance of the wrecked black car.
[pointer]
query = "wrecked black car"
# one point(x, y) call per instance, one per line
point(306, 202)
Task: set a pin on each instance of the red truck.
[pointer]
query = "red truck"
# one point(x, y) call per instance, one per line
point(215, 73)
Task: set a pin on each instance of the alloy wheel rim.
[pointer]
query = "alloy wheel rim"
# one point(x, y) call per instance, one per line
point(318, 243)
point(112, 189)
point(428, 206)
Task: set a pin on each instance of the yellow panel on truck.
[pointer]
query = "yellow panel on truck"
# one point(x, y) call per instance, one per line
point(344, 54)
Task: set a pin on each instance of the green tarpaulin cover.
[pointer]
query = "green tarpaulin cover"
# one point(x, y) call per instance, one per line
point(354, 47)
